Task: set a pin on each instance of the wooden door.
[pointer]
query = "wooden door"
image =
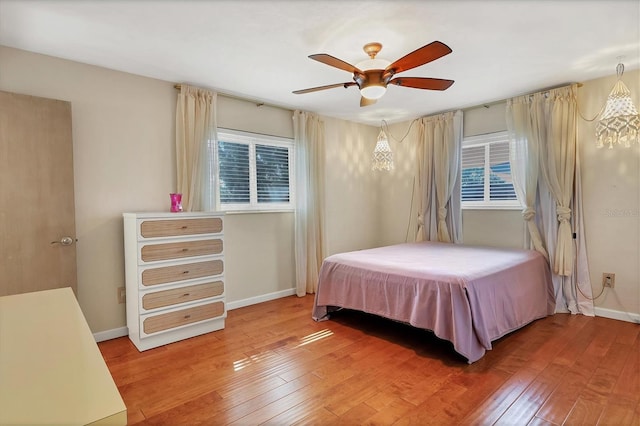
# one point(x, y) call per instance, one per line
point(37, 218)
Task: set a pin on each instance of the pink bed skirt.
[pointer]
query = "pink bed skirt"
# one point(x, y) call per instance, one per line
point(467, 295)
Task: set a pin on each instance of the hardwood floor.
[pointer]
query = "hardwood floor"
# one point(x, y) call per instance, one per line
point(274, 365)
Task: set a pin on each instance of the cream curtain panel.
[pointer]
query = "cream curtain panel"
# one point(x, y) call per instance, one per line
point(438, 180)
point(195, 137)
point(308, 132)
point(545, 165)
point(524, 134)
point(424, 183)
point(558, 149)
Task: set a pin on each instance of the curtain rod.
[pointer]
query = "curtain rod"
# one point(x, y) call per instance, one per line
point(486, 105)
point(178, 86)
point(501, 101)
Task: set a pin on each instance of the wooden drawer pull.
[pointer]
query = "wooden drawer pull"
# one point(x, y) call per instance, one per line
point(184, 227)
point(185, 249)
point(187, 316)
point(185, 272)
point(186, 295)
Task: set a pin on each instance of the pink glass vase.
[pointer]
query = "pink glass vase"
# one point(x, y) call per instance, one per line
point(176, 202)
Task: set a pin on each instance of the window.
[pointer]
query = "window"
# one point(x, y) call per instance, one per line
point(486, 172)
point(255, 172)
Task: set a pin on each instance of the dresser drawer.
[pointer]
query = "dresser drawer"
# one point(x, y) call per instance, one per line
point(160, 299)
point(186, 271)
point(161, 322)
point(167, 251)
point(180, 227)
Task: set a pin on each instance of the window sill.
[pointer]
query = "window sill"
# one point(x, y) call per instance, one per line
point(234, 212)
point(488, 207)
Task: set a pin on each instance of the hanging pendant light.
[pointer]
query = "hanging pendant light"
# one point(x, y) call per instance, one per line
point(382, 155)
point(620, 122)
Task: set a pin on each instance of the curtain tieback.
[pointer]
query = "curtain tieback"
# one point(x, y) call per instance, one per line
point(529, 213)
point(420, 220)
point(564, 213)
point(442, 213)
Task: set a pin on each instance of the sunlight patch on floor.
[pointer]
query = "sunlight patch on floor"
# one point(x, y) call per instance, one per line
point(315, 337)
point(253, 359)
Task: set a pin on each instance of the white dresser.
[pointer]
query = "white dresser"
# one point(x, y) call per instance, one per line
point(174, 264)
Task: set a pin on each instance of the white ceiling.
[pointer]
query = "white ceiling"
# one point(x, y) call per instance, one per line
point(258, 50)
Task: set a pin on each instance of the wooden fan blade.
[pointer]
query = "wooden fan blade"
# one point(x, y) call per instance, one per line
point(422, 83)
point(335, 62)
point(330, 86)
point(425, 54)
point(366, 101)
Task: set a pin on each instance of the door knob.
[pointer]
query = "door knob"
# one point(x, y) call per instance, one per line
point(65, 241)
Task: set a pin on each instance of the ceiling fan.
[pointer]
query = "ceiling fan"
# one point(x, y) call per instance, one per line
point(373, 75)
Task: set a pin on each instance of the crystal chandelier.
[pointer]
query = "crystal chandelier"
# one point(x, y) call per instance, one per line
point(620, 122)
point(382, 155)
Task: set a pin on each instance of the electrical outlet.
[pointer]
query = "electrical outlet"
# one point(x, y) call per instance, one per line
point(122, 295)
point(608, 279)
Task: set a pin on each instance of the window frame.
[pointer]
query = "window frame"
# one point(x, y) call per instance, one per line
point(253, 139)
point(486, 140)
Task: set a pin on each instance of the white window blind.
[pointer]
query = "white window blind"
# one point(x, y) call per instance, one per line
point(486, 172)
point(234, 172)
point(272, 174)
point(473, 173)
point(254, 172)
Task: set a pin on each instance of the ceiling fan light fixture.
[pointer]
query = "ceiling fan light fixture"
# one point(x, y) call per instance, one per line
point(373, 91)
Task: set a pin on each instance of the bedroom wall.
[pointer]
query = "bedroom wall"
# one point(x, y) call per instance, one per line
point(498, 228)
point(351, 190)
point(258, 246)
point(395, 200)
point(611, 188)
point(123, 127)
point(124, 160)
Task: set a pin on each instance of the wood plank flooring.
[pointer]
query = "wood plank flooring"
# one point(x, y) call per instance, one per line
point(274, 365)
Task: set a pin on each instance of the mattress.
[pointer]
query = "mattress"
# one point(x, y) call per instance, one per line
point(467, 295)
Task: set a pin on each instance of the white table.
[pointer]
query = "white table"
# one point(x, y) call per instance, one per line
point(51, 370)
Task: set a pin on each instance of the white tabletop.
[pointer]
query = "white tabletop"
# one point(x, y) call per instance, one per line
point(51, 370)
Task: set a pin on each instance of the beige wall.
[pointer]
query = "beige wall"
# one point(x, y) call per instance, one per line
point(611, 189)
point(395, 200)
point(497, 228)
point(124, 161)
point(258, 246)
point(123, 130)
point(351, 187)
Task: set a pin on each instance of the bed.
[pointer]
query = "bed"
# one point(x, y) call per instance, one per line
point(467, 295)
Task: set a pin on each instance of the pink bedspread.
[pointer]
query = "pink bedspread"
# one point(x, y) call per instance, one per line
point(467, 295)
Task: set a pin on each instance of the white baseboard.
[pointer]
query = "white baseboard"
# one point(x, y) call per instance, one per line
point(124, 331)
point(259, 299)
point(617, 315)
point(114, 333)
